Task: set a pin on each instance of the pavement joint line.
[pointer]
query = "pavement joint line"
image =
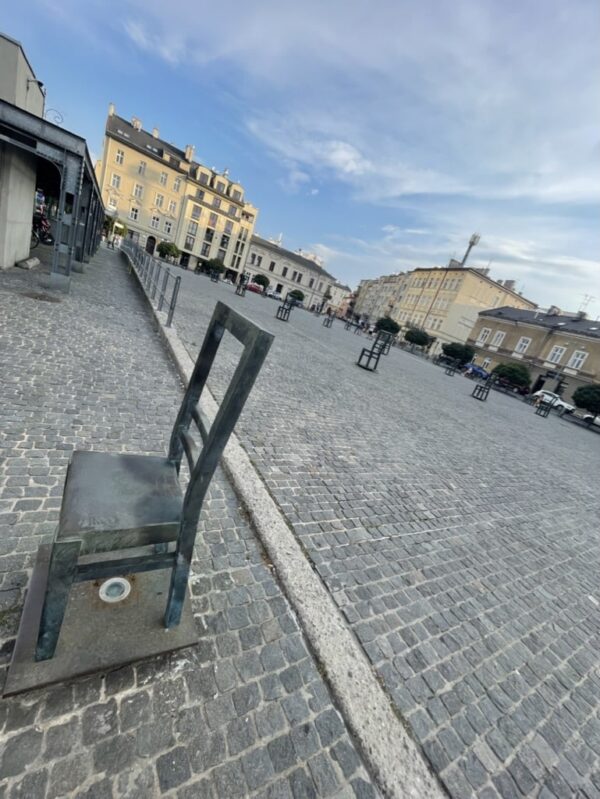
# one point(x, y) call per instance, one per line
point(390, 752)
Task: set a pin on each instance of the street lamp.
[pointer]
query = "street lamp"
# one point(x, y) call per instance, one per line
point(472, 242)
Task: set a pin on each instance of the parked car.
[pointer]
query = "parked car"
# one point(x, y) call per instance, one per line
point(293, 301)
point(476, 371)
point(256, 287)
point(274, 295)
point(555, 400)
point(589, 418)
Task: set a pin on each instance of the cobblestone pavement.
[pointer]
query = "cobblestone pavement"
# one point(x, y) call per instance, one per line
point(459, 538)
point(243, 713)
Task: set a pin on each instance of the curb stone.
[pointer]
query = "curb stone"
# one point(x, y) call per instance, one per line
point(389, 750)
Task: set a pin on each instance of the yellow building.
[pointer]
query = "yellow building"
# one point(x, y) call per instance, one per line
point(555, 347)
point(162, 194)
point(445, 302)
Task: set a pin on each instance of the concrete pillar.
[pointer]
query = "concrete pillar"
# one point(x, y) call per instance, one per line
point(17, 196)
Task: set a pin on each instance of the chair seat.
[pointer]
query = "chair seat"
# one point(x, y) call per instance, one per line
point(117, 501)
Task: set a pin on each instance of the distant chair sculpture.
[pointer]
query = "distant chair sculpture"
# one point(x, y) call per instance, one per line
point(328, 321)
point(482, 390)
point(240, 289)
point(283, 312)
point(543, 407)
point(214, 275)
point(125, 513)
point(369, 357)
point(451, 367)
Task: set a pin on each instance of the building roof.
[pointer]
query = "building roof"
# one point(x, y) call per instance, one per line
point(552, 321)
point(307, 263)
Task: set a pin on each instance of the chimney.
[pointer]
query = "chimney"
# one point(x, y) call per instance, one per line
point(111, 109)
point(510, 284)
point(136, 123)
point(553, 310)
point(155, 133)
point(189, 152)
point(581, 315)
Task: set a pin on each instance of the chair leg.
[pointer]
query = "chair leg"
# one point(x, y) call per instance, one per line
point(179, 578)
point(63, 568)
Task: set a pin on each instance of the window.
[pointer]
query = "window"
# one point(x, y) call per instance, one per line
point(320, 287)
point(576, 360)
point(311, 282)
point(141, 167)
point(237, 195)
point(484, 334)
point(221, 187)
point(486, 363)
point(138, 191)
point(221, 255)
point(163, 179)
point(522, 344)
point(199, 194)
point(232, 210)
point(115, 181)
point(228, 227)
point(498, 338)
point(258, 260)
point(253, 258)
point(134, 213)
point(272, 266)
point(299, 280)
point(284, 271)
point(196, 211)
point(168, 226)
point(294, 273)
point(159, 200)
point(172, 207)
point(189, 242)
point(205, 250)
point(212, 220)
point(216, 202)
point(193, 228)
point(120, 156)
point(203, 178)
point(556, 354)
point(112, 202)
point(176, 184)
point(225, 240)
point(209, 235)
point(155, 222)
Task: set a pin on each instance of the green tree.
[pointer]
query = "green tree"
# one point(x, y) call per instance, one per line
point(462, 353)
point(262, 280)
point(168, 249)
point(418, 337)
point(296, 294)
point(516, 374)
point(387, 325)
point(215, 265)
point(588, 398)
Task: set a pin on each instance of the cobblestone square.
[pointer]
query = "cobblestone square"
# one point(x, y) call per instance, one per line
point(246, 711)
point(459, 539)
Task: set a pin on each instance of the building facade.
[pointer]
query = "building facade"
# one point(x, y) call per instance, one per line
point(555, 347)
point(160, 193)
point(287, 271)
point(445, 302)
point(341, 297)
point(380, 296)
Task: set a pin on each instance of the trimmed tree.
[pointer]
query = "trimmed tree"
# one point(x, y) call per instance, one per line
point(516, 374)
point(588, 398)
point(387, 325)
point(462, 353)
point(296, 294)
point(261, 280)
point(215, 265)
point(167, 249)
point(418, 337)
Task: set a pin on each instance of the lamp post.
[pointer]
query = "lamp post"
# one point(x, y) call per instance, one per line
point(472, 242)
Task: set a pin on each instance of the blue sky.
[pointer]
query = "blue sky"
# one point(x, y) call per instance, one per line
point(378, 134)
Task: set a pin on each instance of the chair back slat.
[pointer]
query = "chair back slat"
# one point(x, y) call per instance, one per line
point(190, 448)
point(202, 422)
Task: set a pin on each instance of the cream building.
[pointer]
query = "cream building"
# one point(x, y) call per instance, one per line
point(340, 298)
point(554, 346)
point(162, 194)
point(287, 270)
point(380, 297)
point(445, 302)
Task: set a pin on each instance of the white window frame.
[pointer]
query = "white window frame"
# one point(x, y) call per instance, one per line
point(138, 191)
point(134, 213)
point(162, 179)
point(142, 168)
point(556, 353)
point(155, 222)
point(159, 200)
point(577, 360)
point(177, 184)
point(499, 337)
point(486, 362)
point(522, 345)
point(172, 207)
point(115, 181)
point(120, 157)
point(112, 202)
point(168, 226)
point(483, 336)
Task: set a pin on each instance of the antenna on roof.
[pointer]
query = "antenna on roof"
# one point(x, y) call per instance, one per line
point(587, 298)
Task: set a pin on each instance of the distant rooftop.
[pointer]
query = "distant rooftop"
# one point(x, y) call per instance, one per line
point(552, 319)
point(307, 263)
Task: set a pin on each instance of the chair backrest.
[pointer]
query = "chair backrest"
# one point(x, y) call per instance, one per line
point(203, 462)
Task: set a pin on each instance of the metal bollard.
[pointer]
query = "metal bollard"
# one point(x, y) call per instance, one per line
point(161, 299)
point(173, 300)
point(156, 279)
